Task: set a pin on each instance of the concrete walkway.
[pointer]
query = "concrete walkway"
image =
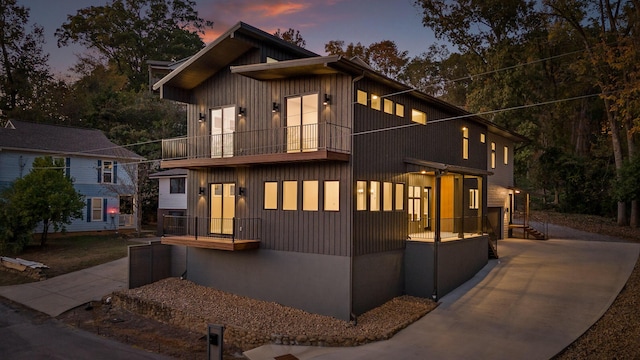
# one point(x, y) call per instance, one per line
point(65, 292)
point(530, 304)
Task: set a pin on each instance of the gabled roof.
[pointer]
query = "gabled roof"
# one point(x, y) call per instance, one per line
point(60, 140)
point(219, 53)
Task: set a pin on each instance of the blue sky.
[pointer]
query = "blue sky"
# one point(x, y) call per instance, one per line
point(364, 21)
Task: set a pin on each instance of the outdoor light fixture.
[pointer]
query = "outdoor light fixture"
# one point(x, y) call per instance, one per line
point(327, 99)
point(242, 191)
point(241, 111)
point(201, 192)
point(202, 117)
point(275, 108)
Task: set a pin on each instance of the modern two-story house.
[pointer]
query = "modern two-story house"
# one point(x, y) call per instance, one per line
point(315, 182)
point(101, 170)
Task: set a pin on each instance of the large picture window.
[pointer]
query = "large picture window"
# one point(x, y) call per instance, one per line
point(310, 195)
point(271, 195)
point(331, 196)
point(289, 195)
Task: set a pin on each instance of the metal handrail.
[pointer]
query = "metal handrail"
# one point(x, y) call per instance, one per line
point(220, 228)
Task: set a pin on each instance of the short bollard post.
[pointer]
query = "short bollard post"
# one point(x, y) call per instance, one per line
point(215, 341)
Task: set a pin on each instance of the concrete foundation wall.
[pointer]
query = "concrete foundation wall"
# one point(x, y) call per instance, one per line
point(458, 261)
point(314, 283)
point(377, 278)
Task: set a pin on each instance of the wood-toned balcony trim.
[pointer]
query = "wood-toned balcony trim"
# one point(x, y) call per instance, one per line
point(247, 160)
point(225, 244)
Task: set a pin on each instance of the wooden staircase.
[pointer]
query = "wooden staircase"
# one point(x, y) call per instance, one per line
point(529, 231)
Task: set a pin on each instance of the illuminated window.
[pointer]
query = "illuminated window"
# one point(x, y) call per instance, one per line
point(399, 196)
point(388, 106)
point(400, 110)
point(97, 209)
point(506, 155)
point(361, 195)
point(374, 195)
point(482, 138)
point(361, 97)
point(418, 117)
point(387, 193)
point(375, 102)
point(310, 195)
point(474, 198)
point(465, 143)
point(493, 155)
point(271, 195)
point(289, 195)
point(414, 203)
point(107, 171)
point(331, 196)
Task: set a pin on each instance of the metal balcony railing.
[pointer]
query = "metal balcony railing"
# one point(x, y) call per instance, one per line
point(284, 140)
point(203, 228)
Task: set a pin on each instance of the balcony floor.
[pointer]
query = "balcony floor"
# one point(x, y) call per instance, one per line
point(214, 243)
point(246, 160)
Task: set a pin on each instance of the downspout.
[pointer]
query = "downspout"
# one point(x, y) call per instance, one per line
point(351, 313)
point(436, 228)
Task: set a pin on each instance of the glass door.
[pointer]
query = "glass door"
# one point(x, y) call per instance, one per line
point(223, 208)
point(223, 127)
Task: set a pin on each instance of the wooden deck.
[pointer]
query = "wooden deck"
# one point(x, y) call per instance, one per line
point(225, 244)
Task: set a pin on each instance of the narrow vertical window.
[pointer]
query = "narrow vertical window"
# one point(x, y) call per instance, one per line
point(331, 196)
point(482, 138)
point(310, 195)
point(388, 106)
point(361, 195)
point(375, 102)
point(387, 193)
point(107, 172)
point(96, 209)
point(400, 110)
point(493, 155)
point(465, 143)
point(289, 195)
point(474, 199)
point(374, 195)
point(361, 97)
point(399, 196)
point(270, 195)
point(506, 155)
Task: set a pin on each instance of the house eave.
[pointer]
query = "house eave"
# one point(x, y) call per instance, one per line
point(417, 165)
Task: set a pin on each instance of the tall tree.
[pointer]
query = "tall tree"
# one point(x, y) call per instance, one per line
point(292, 36)
point(24, 72)
point(383, 56)
point(128, 33)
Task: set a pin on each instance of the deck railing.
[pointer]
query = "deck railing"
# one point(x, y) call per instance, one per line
point(283, 140)
point(202, 228)
point(450, 228)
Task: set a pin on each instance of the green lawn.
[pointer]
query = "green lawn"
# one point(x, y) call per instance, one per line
point(69, 253)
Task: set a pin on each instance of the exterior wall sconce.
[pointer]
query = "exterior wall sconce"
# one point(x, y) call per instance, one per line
point(327, 99)
point(201, 191)
point(202, 117)
point(241, 112)
point(275, 108)
point(242, 191)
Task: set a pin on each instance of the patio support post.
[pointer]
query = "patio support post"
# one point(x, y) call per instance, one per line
point(196, 227)
point(436, 239)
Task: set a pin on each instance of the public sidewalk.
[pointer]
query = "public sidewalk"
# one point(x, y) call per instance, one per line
point(530, 304)
point(65, 292)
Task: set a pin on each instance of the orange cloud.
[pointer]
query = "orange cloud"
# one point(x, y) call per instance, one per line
point(278, 9)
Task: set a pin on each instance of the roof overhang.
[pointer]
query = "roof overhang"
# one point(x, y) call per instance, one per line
point(319, 65)
point(417, 165)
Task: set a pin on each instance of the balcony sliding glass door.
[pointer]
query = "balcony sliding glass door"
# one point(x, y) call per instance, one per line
point(223, 208)
point(302, 123)
point(223, 126)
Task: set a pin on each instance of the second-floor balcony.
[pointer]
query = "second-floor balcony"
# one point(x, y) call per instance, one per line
point(311, 142)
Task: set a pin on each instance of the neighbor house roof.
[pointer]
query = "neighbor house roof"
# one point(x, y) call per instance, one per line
point(169, 173)
point(60, 140)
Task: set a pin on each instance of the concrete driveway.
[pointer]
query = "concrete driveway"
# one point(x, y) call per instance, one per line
point(530, 304)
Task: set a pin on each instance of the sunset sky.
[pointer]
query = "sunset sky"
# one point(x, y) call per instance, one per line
point(364, 21)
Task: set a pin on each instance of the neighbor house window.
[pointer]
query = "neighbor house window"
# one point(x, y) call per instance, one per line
point(310, 195)
point(177, 185)
point(418, 116)
point(493, 155)
point(270, 195)
point(361, 97)
point(289, 195)
point(474, 198)
point(331, 196)
point(375, 102)
point(387, 199)
point(399, 196)
point(388, 106)
point(107, 172)
point(400, 110)
point(465, 142)
point(97, 209)
point(374, 195)
point(506, 155)
point(361, 195)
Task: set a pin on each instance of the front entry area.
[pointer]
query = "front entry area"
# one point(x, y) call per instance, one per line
point(223, 208)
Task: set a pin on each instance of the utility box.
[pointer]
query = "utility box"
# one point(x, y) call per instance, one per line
point(215, 341)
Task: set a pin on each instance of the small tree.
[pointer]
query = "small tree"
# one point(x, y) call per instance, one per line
point(44, 195)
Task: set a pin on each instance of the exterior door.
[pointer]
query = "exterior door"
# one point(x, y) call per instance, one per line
point(223, 208)
point(302, 123)
point(223, 126)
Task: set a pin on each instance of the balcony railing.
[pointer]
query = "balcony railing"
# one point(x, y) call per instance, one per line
point(212, 228)
point(450, 228)
point(284, 140)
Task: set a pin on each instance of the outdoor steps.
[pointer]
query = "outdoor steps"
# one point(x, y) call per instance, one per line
point(535, 233)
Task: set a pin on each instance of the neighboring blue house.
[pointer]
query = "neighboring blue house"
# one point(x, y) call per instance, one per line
point(100, 169)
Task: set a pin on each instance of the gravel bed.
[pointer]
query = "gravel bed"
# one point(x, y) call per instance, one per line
point(250, 323)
